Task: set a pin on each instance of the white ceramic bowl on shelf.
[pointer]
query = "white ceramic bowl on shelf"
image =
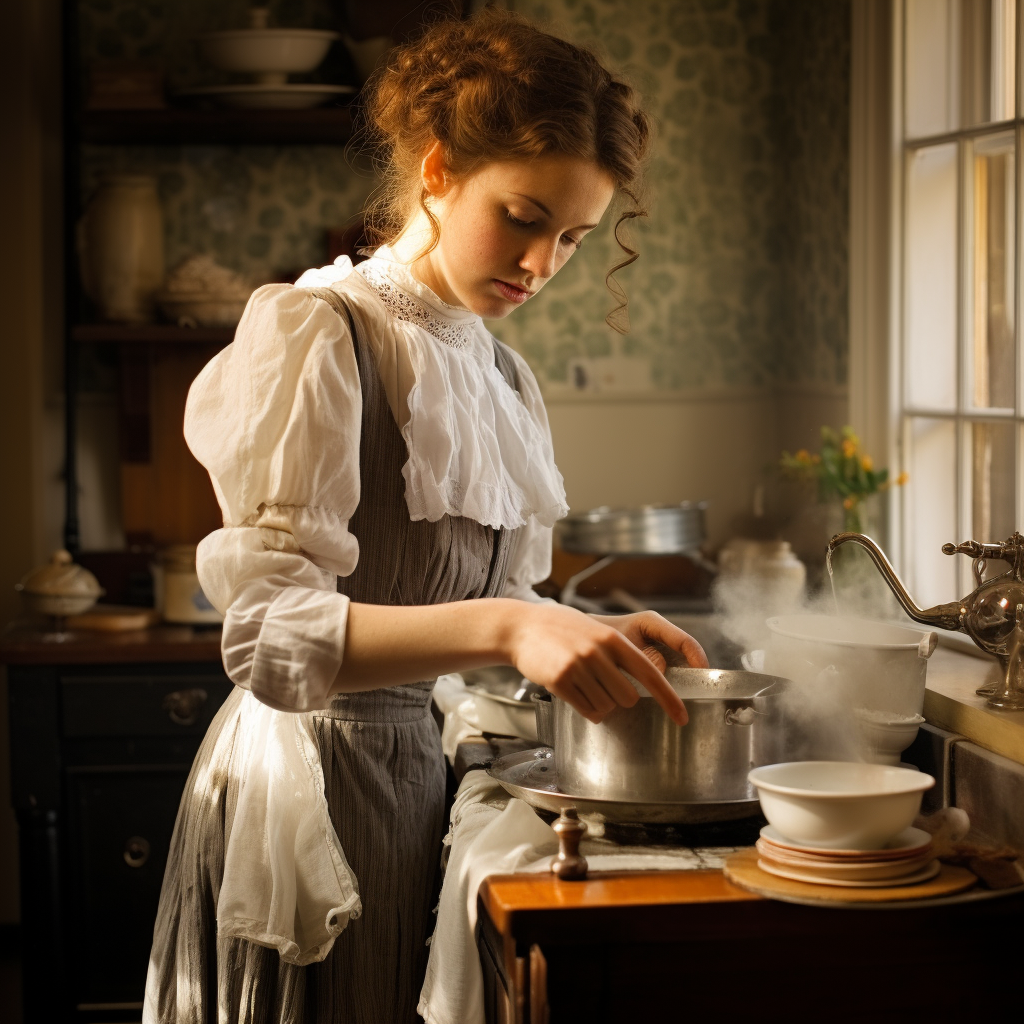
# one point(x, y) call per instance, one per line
point(271, 54)
point(839, 804)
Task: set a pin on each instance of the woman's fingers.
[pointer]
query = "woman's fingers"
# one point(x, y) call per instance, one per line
point(631, 659)
point(657, 628)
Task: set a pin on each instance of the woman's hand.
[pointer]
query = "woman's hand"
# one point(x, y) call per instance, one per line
point(646, 629)
point(580, 658)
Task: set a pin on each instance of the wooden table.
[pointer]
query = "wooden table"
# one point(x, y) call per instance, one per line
point(662, 946)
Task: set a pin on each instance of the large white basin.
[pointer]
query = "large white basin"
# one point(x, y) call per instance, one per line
point(873, 666)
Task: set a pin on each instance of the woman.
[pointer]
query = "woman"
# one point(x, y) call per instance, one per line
point(388, 486)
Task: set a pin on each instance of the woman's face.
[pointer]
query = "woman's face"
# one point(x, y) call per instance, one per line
point(509, 227)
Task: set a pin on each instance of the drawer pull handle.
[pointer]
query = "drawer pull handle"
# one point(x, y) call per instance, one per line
point(136, 852)
point(183, 707)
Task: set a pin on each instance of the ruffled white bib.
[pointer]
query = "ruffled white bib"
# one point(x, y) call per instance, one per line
point(477, 448)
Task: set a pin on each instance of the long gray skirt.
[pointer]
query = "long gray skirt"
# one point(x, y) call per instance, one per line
point(384, 783)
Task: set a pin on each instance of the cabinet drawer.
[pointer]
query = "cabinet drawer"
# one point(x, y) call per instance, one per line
point(119, 832)
point(140, 705)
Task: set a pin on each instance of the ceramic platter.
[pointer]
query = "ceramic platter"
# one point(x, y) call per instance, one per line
point(530, 775)
point(298, 96)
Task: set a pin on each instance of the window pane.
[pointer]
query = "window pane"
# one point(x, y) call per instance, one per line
point(932, 498)
point(931, 278)
point(931, 69)
point(959, 64)
point(987, 44)
point(990, 367)
point(991, 463)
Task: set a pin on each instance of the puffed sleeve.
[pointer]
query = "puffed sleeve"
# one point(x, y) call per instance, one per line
point(275, 419)
point(530, 563)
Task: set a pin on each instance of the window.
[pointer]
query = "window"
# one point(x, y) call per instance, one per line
point(960, 428)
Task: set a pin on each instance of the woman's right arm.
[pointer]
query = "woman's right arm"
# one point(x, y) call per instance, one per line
point(576, 656)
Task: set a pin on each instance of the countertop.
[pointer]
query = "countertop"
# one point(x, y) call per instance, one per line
point(951, 703)
point(31, 642)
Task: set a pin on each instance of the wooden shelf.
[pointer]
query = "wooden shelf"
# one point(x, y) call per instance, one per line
point(180, 125)
point(152, 334)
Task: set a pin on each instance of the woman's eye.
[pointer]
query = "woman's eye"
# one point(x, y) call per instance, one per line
point(574, 242)
point(515, 220)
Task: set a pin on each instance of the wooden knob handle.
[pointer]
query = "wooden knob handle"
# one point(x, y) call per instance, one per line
point(568, 864)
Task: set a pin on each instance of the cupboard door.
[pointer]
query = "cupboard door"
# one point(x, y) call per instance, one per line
point(119, 831)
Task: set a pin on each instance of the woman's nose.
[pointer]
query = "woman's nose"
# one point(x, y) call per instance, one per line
point(539, 259)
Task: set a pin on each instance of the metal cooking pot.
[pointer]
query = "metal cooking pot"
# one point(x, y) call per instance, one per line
point(648, 530)
point(639, 754)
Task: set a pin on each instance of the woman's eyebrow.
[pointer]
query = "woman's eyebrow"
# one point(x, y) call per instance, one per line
point(541, 206)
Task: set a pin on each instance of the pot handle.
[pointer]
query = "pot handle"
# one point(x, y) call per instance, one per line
point(926, 647)
point(740, 716)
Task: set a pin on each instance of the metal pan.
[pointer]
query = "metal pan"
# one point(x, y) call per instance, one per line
point(647, 530)
point(531, 776)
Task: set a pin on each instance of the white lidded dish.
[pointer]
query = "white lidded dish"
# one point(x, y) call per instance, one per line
point(839, 804)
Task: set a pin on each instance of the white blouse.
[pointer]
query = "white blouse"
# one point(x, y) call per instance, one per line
point(275, 418)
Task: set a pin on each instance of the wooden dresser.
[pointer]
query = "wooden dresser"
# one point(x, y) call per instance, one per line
point(104, 728)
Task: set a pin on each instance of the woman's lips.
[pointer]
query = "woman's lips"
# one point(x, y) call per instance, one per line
point(511, 292)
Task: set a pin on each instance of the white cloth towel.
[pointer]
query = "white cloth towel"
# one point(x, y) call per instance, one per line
point(287, 884)
point(492, 833)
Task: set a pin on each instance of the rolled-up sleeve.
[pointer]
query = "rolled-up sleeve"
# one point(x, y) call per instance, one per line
point(284, 621)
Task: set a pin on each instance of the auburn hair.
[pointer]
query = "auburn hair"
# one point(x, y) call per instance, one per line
point(494, 87)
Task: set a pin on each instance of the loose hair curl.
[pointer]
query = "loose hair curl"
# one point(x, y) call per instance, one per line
point(494, 87)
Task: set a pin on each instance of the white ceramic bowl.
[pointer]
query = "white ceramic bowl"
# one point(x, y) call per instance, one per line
point(887, 736)
point(839, 804)
point(269, 53)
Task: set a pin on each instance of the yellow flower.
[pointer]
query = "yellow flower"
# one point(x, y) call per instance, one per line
point(867, 463)
point(902, 479)
point(849, 502)
point(803, 455)
point(849, 448)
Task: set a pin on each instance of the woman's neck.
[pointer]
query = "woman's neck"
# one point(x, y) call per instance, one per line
point(408, 249)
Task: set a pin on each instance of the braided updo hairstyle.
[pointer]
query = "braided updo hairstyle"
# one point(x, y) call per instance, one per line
point(490, 88)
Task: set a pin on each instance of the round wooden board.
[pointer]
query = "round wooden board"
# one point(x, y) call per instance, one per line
point(741, 869)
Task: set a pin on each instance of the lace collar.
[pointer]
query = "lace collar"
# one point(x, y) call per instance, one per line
point(408, 299)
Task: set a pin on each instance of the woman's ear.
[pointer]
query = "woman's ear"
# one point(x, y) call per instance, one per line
point(432, 171)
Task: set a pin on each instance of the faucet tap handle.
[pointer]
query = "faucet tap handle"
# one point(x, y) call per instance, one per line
point(1010, 550)
point(975, 549)
point(970, 547)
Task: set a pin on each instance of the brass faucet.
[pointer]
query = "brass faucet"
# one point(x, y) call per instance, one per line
point(992, 615)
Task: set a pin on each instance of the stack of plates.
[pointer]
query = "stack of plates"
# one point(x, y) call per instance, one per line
point(905, 860)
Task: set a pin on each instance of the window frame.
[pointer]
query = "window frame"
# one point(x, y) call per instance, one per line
point(880, 155)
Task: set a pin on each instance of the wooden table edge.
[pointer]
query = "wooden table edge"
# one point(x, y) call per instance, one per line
point(505, 897)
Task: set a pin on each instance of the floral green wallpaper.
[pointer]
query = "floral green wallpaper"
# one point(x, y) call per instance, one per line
point(742, 279)
point(742, 274)
point(260, 210)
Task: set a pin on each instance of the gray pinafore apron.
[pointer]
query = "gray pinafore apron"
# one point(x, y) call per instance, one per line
point(383, 776)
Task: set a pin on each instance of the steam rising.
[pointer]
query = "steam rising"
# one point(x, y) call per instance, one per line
point(824, 720)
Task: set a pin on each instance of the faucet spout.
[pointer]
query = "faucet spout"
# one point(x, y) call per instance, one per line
point(943, 616)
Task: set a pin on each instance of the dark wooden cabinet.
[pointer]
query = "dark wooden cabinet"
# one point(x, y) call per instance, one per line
point(100, 752)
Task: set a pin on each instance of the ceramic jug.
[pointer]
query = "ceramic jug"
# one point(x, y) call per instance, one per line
point(121, 248)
